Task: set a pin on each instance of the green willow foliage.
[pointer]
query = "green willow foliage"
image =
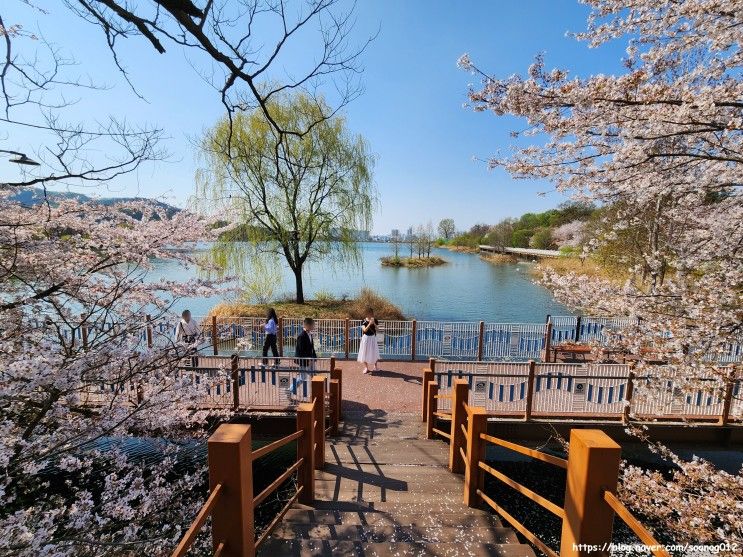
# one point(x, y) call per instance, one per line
point(299, 197)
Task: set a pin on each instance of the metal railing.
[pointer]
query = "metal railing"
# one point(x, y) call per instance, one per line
point(592, 472)
point(410, 339)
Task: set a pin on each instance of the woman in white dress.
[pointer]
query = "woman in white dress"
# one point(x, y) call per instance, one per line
point(368, 350)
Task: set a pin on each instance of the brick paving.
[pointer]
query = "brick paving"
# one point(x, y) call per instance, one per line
point(394, 389)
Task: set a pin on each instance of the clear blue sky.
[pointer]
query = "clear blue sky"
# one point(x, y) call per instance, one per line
point(428, 146)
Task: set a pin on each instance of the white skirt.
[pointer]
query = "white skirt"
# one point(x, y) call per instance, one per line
point(368, 350)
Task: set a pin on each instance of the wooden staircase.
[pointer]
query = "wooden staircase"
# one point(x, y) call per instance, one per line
point(386, 491)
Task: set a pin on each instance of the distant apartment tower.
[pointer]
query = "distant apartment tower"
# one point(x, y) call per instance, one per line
point(395, 233)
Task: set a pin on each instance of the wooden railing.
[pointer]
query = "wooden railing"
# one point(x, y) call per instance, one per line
point(532, 390)
point(253, 385)
point(592, 472)
point(231, 503)
point(250, 385)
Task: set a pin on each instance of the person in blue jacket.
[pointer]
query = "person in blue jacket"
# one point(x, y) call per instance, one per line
point(271, 327)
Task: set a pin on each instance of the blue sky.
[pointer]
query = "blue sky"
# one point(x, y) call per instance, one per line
point(429, 148)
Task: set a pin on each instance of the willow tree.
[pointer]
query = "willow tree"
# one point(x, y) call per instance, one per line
point(301, 197)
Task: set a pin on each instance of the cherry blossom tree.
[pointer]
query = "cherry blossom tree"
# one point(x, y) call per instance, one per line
point(79, 383)
point(663, 143)
point(77, 379)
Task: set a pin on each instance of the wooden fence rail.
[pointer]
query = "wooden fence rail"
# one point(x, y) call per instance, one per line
point(539, 390)
point(231, 503)
point(592, 471)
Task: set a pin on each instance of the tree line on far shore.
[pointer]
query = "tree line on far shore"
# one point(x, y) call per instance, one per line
point(561, 228)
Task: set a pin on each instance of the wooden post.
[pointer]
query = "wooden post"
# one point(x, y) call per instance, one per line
point(577, 328)
point(473, 478)
point(84, 332)
point(332, 364)
point(231, 467)
point(630, 391)
point(727, 400)
point(280, 335)
point(337, 375)
point(460, 394)
point(433, 404)
point(427, 378)
point(347, 337)
point(235, 382)
point(480, 342)
point(412, 340)
point(148, 331)
point(593, 466)
point(318, 397)
point(530, 390)
point(334, 406)
point(215, 341)
point(548, 341)
point(305, 444)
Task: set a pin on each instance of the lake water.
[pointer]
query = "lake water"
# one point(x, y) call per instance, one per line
point(467, 289)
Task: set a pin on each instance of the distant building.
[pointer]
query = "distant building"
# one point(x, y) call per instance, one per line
point(356, 235)
point(395, 233)
point(410, 232)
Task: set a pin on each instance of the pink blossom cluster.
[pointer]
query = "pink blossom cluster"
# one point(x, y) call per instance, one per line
point(662, 143)
point(68, 409)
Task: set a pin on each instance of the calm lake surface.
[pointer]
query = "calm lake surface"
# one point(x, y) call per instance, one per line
point(467, 289)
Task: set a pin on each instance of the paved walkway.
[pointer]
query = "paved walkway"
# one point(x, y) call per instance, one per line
point(397, 388)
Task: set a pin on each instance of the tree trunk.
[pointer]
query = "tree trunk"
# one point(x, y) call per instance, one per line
point(299, 296)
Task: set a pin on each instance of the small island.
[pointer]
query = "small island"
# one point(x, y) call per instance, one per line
point(413, 262)
point(322, 306)
point(499, 258)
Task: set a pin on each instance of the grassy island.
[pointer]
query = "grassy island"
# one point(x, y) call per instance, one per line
point(461, 249)
point(498, 258)
point(413, 262)
point(322, 306)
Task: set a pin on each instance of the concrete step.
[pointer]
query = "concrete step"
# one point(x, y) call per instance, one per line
point(376, 495)
point(396, 508)
point(394, 533)
point(327, 548)
point(465, 519)
point(408, 471)
point(388, 451)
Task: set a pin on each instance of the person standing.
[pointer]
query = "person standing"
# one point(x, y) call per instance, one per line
point(369, 350)
point(271, 327)
point(187, 331)
point(305, 353)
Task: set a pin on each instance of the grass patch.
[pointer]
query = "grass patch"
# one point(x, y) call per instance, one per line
point(588, 266)
point(324, 306)
point(413, 262)
point(461, 249)
point(499, 258)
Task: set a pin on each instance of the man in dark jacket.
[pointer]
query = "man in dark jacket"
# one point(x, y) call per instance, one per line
point(305, 344)
point(305, 353)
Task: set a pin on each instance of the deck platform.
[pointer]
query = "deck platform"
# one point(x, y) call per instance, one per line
point(386, 491)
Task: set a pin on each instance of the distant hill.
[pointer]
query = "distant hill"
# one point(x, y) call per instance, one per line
point(34, 196)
